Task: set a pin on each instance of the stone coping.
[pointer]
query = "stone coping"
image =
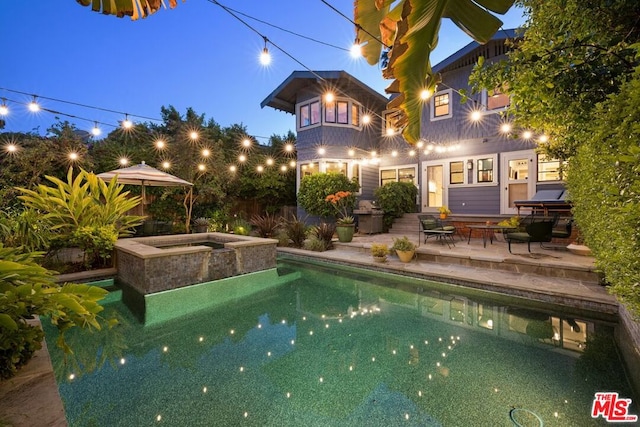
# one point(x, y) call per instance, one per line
point(152, 247)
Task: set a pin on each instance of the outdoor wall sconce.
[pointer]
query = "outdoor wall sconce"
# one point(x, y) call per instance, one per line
point(470, 164)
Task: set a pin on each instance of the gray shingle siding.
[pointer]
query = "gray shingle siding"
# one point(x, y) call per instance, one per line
point(475, 200)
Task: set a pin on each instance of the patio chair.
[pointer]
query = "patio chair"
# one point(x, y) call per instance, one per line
point(430, 226)
point(540, 231)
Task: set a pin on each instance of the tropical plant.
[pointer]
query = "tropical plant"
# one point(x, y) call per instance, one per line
point(85, 200)
point(343, 202)
point(97, 242)
point(266, 225)
point(379, 249)
point(404, 33)
point(314, 189)
point(132, 8)
point(395, 199)
point(403, 244)
point(26, 228)
point(296, 230)
point(28, 290)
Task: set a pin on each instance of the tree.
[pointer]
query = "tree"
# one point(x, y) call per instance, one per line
point(406, 32)
point(574, 77)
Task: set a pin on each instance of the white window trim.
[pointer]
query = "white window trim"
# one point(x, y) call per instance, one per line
point(397, 169)
point(484, 100)
point(465, 172)
point(304, 104)
point(432, 105)
point(475, 170)
point(350, 103)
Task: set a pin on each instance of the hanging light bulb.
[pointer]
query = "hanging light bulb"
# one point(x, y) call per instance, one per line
point(265, 56)
point(269, 161)
point(242, 158)
point(288, 148)
point(201, 167)
point(292, 163)
point(160, 144)
point(283, 168)
point(233, 168)
point(193, 135)
point(4, 110)
point(123, 161)
point(329, 97)
point(206, 152)
point(96, 130)
point(11, 148)
point(475, 115)
point(505, 127)
point(366, 119)
point(425, 94)
point(33, 105)
point(73, 156)
point(260, 168)
point(356, 49)
point(166, 165)
point(543, 138)
point(527, 134)
point(126, 123)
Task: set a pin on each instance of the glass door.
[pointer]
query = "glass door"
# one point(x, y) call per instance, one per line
point(518, 179)
point(433, 187)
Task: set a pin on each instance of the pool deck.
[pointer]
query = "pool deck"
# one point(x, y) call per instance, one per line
point(555, 276)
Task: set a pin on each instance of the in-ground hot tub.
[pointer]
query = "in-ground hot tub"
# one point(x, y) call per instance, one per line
point(152, 265)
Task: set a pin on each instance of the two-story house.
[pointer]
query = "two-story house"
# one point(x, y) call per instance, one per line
point(469, 157)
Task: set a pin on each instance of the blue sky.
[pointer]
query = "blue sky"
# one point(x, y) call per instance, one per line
point(195, 55)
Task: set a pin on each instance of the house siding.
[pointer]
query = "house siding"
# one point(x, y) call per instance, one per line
point(475, 200)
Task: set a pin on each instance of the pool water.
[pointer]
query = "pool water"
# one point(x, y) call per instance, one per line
point(340, 346)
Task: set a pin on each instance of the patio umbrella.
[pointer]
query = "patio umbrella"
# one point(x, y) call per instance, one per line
point(144, 175)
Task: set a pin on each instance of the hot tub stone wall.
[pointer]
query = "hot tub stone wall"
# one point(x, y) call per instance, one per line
point(146, 267)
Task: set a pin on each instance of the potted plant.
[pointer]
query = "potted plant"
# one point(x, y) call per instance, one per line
point(379, 252)
point(201, 225)
point(444, 212)
point(405, 248)
point(343, 202)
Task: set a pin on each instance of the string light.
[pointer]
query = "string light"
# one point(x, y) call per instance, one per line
point(356, 49)
point(96, 130)
point(126, 123)
point(193, 135)
point(4, 110)
point(265, 56)
point(425, 94)
point(160, 144)
point(33, 105)
point(166, 165)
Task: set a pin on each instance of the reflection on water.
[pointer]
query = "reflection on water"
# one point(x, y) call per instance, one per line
point(341, 347)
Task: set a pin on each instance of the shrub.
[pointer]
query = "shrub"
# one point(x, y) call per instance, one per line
point(283, 238)
point(266, 225)
point(28, 290)
point(396, 199)
point(315, 244)
point(26, 228)
point(403, 244)
point(379, 249)
point(315, 188)
point(97, 243)
point(241, 227)
point(296, 230)
point(324, 232)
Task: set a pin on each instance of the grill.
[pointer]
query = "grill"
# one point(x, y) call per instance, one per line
point(369, 217)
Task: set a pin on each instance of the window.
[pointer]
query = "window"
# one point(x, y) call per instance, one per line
point(309, 114)
point(456, 172)
point(549, 169)
point(441, 105)
point(406, 175)
point(387, 175)
point(307, 169)
point(330, 112)
point(336, 167)
point(355, 115)
point(497, 100)
point(485, 170)
point(343, 116)
point(390, 122)
point(400, 174)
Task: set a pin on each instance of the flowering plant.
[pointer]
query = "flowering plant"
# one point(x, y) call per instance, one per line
point(342, 202)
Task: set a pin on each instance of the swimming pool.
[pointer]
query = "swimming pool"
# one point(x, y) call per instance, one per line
point(337, 346)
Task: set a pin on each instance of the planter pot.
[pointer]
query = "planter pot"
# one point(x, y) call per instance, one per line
point(579, 249)
point(405, 256)
point(443, 216)
point(345, 232)
point(380, 258)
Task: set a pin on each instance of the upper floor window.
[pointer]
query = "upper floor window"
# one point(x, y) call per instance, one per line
point(441, 105)
point(390, 121)
point(309, 114)
point(497, 100)
point(340, 112)
point(549, 169)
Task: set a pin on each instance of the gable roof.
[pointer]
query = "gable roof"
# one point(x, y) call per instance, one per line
point(284, 97)
point(451, 61)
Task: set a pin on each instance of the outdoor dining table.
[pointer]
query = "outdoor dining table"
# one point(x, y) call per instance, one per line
point(487, 230)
